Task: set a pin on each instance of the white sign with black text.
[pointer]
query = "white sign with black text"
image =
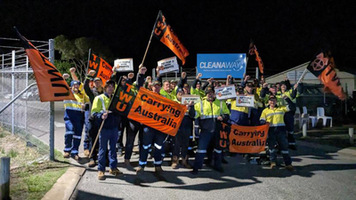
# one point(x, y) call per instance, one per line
point(169, 65)
point(186, 99)
point(125, 65)
point(246, 101)
point(227, 92)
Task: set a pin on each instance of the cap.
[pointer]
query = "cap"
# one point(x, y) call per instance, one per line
point(174, 81)
point(249, 85)
point(109, 82)
point(209, 89)
point(156, 83)
point(97, 79)
point(179, 90)
point(272, 97)
point(74, 82)
point(186, 85)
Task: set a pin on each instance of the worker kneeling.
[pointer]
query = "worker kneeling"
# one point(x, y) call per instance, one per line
point(210, 112)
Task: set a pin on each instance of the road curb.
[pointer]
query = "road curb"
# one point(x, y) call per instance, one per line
point(66, 184)
point(346, 151)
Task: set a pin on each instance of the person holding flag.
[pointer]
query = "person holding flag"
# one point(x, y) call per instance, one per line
point(109, 131)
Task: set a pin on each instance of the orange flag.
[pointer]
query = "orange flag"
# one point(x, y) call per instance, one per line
point(322, 66)
point(50, 83)
point(253, 51)
point(101, 67)
point(165, 34)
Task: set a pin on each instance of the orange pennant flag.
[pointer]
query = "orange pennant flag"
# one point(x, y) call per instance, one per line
point(165, 34)
point(323, 67)
point(50, 83)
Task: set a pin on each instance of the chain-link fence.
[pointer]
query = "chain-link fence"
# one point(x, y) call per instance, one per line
point(27, 114)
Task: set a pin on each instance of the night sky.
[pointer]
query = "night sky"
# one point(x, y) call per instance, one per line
point(286, 33)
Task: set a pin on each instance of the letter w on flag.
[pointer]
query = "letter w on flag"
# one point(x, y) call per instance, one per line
point(165, 34)
point(102, 69)
point(50, 83)
point(322, 66)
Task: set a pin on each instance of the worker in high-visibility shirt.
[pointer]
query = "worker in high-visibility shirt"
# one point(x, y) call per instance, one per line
point(109, 132)
point(274, 115)
point(74, 121)
point(210, 112)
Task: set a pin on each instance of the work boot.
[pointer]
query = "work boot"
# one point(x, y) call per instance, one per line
point(185, 163)
point(127, 163)
point(76, 157)
point(139, 170)
point(86, 153)
point(66, 155)
point(91, 163)
point(290, 168)
point(174, 162)
point(115, 172)
point(158, 169)
point(273, 165)
point(101, 175)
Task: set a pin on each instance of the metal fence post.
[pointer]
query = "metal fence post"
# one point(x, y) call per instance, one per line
point(4, 178)
point(351, 134)
point(26, 94)
point(13, 92)
point(51, 112)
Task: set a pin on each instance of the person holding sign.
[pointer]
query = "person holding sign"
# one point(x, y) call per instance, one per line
point(274, 115)
point(210, 112)
point(152, 136)
point(109, 131)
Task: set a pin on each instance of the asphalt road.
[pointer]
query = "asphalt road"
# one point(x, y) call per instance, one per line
point(319, 174)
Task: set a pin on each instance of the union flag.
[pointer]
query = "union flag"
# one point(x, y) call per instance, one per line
point(322, 66)
point(164, 32)
point(102, 69)
point(50, 83)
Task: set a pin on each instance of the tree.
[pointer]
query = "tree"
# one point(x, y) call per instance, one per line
point(74, 53)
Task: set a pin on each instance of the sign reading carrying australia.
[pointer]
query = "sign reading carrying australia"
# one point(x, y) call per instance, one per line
point(221, 65)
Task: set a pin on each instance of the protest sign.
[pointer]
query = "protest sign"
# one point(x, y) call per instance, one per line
point(227, 92)
point(169, 65)
point(186, 99)
point(157, 112)
point(245, 101)
point(248, 139)
point(221, 65)
point(125, 65)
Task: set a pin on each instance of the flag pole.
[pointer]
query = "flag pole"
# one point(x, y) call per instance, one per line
point(102, 123)
point(149, 42)
point(89, 55)
point(302, 76)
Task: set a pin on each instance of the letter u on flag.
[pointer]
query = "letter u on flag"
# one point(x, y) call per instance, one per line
point(51, 85)
point(165, 34)
point(102, 69)
point(322, 66)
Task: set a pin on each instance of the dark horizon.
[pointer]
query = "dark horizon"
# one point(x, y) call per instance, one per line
point(286, 33)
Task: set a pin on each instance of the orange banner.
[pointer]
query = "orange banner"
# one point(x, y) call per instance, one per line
point(248, 139)
point(157, 112)
point(165, 34)
point(101, 67)
point(50, 83)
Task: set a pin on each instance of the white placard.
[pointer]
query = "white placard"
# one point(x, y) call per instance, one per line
point(169, 65)
point(227, 92)
point(186, 99)
point(247, 101)
point(125, 64)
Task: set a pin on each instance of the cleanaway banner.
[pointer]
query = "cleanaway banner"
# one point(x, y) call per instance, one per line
point(221, 65)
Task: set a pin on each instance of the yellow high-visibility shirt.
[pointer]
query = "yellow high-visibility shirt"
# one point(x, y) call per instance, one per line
point(274, 116)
